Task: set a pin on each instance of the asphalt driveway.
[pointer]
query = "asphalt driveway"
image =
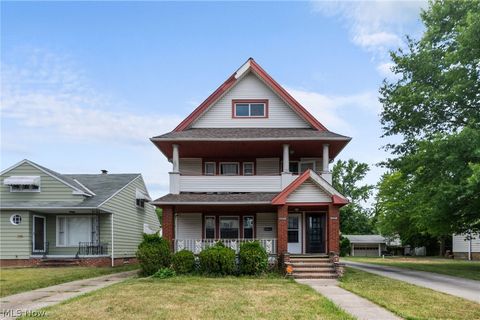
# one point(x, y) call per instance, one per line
point(460, 287)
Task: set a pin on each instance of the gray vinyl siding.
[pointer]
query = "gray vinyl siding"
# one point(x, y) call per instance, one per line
point(461, 245)
point(190, 166)
point(280, 115)
point(128, 219)
point(309, 192)
point(267, 166)
point(266, 220)
point(189, 226)
point(50, 188)
point(15, 240)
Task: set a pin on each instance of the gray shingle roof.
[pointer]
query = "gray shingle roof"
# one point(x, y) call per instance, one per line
point(250, 134)
point(365, 238)
point(215, 198)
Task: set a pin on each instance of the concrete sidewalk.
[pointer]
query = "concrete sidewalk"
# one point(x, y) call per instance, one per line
point(18, 304)
point(460, 287)
point(358, 307)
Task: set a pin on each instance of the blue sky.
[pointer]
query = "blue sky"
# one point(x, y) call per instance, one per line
point(84, 85)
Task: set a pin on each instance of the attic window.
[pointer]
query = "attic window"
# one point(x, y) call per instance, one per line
point(250, 108)
point(23, 183)
point(140, 198)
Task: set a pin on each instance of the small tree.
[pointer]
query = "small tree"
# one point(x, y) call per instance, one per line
point(153, 254)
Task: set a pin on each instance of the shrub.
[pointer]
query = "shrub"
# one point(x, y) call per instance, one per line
point(217, 260)
point(153, 253)
point(253, 259)
point(183, 262)
point(164, 273)
point(344, 246)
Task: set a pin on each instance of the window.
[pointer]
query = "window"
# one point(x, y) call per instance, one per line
point(248, 225)
point(250, 109)
point(293, 167)
point(229, 228)
point(24, 188)
point(15, 219)
point(140, 203)
point(229, 168)
point(71, 230)
point(293, 229)
point(210, 227)
point(23, 183)
point(210, 168)
point(248, 169)
point(305, 165)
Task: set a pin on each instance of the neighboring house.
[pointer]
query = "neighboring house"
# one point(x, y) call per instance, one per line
point(97, 218)
point(252, 163)
point(466, 246)
point(373, 245)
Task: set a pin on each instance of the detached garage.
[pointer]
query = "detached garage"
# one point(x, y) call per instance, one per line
point(370, 245)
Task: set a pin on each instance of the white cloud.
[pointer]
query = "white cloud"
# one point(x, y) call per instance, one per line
point(385, 69)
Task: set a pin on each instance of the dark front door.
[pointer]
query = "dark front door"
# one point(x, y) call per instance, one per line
point(38, 234)
point(315, 233)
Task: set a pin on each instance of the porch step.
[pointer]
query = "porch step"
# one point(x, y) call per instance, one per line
point(314, 275)
point(321, 268)
point(301, 264)
point(58, 262)
point(312, 266)
point(310, 260)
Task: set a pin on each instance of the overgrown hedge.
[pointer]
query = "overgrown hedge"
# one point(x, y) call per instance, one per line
point(183, 262)
point(153, 254)
point(217, 260)
point(252, 258)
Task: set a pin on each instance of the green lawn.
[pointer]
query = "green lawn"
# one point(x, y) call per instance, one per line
point(458, 268)
point(200, 298)
point(15, 280)
point(407, 300)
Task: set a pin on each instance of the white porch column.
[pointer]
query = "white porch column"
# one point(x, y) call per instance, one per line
point(175, 174)
point(326, 174)
point(287, 176)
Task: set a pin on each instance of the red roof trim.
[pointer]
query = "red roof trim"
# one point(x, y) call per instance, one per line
point(281, 198)
point(270, 81)
point(339, 200)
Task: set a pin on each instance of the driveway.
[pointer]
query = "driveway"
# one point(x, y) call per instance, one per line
point(460, 287)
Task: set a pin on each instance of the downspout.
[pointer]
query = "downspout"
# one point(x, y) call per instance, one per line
point(113, 260)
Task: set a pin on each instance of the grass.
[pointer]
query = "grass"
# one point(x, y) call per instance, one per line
point(407, 300)
point(457, 268)
point(16, 280)
point(192, 297)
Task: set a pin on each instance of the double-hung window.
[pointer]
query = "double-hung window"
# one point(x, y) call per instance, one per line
point(250, 109)
point(71, 230)
point(210, 169)
point(229, 227)
point(248, 225)
point(248, 169)
point(210, 227)
point(229, 168)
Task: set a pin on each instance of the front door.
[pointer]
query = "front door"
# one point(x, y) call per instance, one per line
point(38, 234)
point(315, 233)
point(294, 233)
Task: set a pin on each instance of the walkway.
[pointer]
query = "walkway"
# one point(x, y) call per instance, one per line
point(460, 287)
point(358, 307)
point(18, 304)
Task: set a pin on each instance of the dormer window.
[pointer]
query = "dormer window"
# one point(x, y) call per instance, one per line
point(141, 198)
point(250, 108)
point(23, 183)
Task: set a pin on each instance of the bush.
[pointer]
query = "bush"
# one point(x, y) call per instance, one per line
point(344, 246)
point(253, 259)
point(183, 262)
point(164, 273)
point(217, 260)
point(153, 254)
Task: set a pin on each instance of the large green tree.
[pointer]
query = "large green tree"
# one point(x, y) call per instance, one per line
point(434, 106)
point(347, 177)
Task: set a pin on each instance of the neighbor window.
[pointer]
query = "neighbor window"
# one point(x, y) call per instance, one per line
point(16, 219)
point(250, 109)
point(24, 188)
point(140, 203)
point(248, 168)
point(210, 227)
point(210, 168)
point(71, 230)
point(248, 224)
point(23, 183)
point(229, 227)
point(229, 168)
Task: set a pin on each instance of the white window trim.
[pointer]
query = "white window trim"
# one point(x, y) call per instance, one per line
point(140, 207)
point(220, 226)
point(214, 168)
point(250, 110)
point(238, 168)
point(66, 230)
point(214, 227)
point(304, 162)
point(28, 191)
point(253, 226)
point(44, 232)
point(253, 168)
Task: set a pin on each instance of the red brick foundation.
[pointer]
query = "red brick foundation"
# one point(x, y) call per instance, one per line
point(19, 262)
point(83, 262)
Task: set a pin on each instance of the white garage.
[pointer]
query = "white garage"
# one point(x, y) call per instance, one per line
point(370, 245)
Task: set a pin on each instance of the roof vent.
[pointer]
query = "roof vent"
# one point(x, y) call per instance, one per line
point(104, 171)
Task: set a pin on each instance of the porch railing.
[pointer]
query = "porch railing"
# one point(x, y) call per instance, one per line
point(92, 249)
point(43, 251)
point(197, 245)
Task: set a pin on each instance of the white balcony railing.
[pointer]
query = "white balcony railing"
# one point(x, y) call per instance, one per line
point(197, 245)
point(230, 183)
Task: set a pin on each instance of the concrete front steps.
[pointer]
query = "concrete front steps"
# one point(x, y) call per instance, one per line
point(312, 267)
point(57, 262)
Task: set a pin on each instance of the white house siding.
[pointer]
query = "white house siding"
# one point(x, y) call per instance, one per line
point(16, 240)
point(190, 166)
point(309, 192)
point(280, 115)
point(268, 166)
point(128, 219)
point(266, 220)
point(461, 245)
point(188, 226)
point(230, 183)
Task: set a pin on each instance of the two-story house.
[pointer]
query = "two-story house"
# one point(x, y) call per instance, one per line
point(251, 163)
point(49, 218)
